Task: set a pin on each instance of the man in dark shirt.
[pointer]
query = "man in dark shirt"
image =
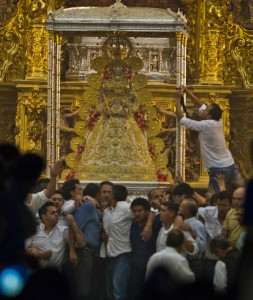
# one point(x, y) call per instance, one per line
point(141, 250)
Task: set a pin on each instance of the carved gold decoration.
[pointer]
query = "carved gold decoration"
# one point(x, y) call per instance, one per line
point(76, 141)
point(239, 58)
point(12, 42)
point(31, 121)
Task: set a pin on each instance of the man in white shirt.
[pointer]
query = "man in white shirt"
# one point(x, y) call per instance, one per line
point(171, 259)
point(213, 218)
point(35, 201)
point(216, 157)
point(117, 220)
point(168, 213)
point(49, 242)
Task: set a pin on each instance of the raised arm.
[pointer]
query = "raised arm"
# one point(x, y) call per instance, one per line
point(179, 112)
point(195, 100)
point(55, 171)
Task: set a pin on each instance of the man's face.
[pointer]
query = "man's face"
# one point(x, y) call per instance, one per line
point(156, 194)
point(178, 198)
point(223, 207)
point(205, 114)
point(183, 208)
point(238, 198)
point(58, 201)
point(166, 214)
point(106, 192)
point(51, 217)
point(77, 193)
point(140, 215)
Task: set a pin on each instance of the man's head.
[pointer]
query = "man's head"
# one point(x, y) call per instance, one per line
point(72, 189)
point(92, 190)
point(119, 193)
point(175, 239)
point(156, 195)
point(238, 198)
point(168, 211)
point(188, 208)
point(105, 191)
point(140, 208)
point(57, 200)
point(212, 112)
point(48, 214)
point(182, 191)
point(224, 202)
point(220, 246)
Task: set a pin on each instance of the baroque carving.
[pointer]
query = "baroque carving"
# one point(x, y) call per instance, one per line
point(7, 122)
point(242, 12)
point(31, 121)
point(7, 10)
point(239, 58)
point(12, 40)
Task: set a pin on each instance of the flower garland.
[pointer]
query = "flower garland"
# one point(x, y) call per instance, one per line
point(71, 174)
point(94, 116)
point(79, 150)
point(140, 118)
point(152, 151)
point(160, 176)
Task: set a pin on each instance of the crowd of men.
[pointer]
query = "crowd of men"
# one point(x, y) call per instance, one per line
point(108, 247)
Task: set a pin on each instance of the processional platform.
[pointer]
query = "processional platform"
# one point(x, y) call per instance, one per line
point(115, 21)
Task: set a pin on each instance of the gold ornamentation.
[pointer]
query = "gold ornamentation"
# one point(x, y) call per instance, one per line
point(72, 160)
point(80, 128)
point(12, 40)
point(31, 121)
point(75, 142)
point(239, 60)
point(94, 81)
point(140, 81)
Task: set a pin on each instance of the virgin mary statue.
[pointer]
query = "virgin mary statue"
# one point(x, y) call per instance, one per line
point(116, 149)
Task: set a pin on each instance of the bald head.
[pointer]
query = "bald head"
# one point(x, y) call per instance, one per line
point(188, 208)
point(238, 198)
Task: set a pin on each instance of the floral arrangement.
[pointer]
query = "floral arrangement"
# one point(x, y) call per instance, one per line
point(94, 116)
point(160, 176)
point(79, 150)
point(140, 118)
point(152, 151)
point(129, 75)
point(71, 174)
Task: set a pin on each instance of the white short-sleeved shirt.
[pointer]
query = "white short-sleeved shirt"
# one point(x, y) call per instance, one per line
point(117, 222)
point(212, 142)
point(37, 201)
point(162, 239)
point(55, 241)
point(220, 276)
point(175, 263)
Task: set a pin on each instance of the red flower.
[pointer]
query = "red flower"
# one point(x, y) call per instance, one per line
point(139, 117)
point(160, 176)
point(79, 150)
point(152, 151)
point(93, 118)
point(106, 74)
point(71, 174)
point(129, 75)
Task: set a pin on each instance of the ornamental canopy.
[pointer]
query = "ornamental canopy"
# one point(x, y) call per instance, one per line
point(117, 17)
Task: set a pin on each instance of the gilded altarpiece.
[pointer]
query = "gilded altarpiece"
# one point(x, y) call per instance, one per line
point(219, 69)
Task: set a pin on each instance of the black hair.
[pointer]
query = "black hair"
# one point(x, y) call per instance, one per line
point(106, 183)
point(69, 186)
point(219, 242)
point(43, 209)
point(223, 195)
point(141, 202)
point(183, 189)
point(58, 192)
point(119, 193)
point(92, 190)
point(213, 199)
point(171, 206)
point(192, 206)
point(215, 112)
point(175, 238)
